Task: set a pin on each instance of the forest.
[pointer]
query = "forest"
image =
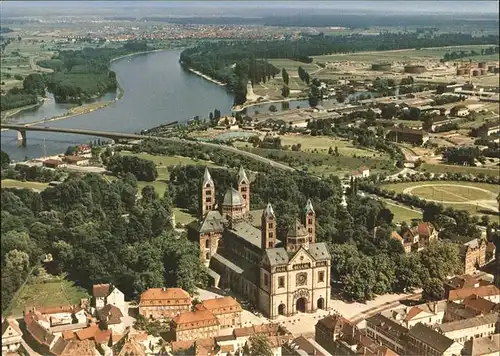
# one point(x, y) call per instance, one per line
point(236, 62)
point(97, 232)
point(80, 75)
point(33, 86)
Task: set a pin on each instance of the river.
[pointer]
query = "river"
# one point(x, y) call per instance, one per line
point(156, 91)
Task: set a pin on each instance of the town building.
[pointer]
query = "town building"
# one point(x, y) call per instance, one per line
point(74, 347)
point(488, 129)
point(480, 305)
point(332, 327)
point(415, 137)
point(490, 292)
point(483, 346)
point(418, 237)
point(111, 318)
point(300, 346)
point(12, 336)
point(193, 325)
point(280, 277)
point(52, 163)
point(76, 160)
point(105, 294)
point(164, 303)
point(387, 332)
point(227, 310)
point(128, 346)
point(431, 314)
point(463, 330)
point(459, 282)
point(362, 172)
point(459, 110)
point(456, 311)
point(473, 254)
point(423, 340)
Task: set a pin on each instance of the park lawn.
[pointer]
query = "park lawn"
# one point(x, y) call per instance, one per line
point(46, 290)
point(401, 213)
point(11, 183)
point(455, 193)
point(446, 168)
point(183, 216)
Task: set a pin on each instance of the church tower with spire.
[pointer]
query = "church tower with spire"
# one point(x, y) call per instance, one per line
point(268, 228)
point(244, 188)
point(207, 193)
point(310, 221)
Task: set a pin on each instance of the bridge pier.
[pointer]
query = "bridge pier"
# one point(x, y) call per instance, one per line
point(21, 137)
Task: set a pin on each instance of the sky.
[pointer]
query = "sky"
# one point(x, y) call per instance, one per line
point(232, 7)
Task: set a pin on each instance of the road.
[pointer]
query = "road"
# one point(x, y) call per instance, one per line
point(131, 136)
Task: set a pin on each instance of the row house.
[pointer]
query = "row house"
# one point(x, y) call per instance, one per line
point(331, 328)
point(463, 330)
point(483, 346)
point(490, 292)
point(164, 303)
point(227, 310)
point(423, 340)
point(387, 332)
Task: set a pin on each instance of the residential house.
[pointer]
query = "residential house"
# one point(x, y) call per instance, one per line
point(473, 254)
point(301, 346)
point(105, 294)
point(192, 325)
point(74, 348)
point(490, 251)
point(456, 311)
point(274, 331)
point(362, 172)
point(436, 122)
point(459, 282)
point(489, 292)
point(419, 237)
point(128, 346)
point(206, 346)
point(111, 318)
point(330, 328)
point(416, 137)
point(387, 332)
point(83, 149)
point(459, 110)
point(463, 330)
point(12, 336)
point(227, 310)
point(431, 313)
point(164, 303)
point(360, 344)
point(483, 346)
point(423, 340)
point(480, 305)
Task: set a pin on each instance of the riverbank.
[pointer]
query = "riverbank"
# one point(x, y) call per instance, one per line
point(204, 76)
point(239, 108)
point(7, 114)
point(135, 53)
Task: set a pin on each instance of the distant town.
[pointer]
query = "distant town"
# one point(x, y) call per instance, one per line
point(332, 189)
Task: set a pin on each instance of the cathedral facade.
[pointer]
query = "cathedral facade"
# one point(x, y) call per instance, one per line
point(278, 277)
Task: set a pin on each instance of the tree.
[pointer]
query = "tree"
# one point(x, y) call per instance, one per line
point(259, 346)
point(433, 290)
point(285, 91)
point(314, 96)
point(4, 160)
point(284, 75)
point(272, 108)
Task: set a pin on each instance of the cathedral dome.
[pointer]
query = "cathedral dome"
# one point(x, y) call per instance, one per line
point(233, 198)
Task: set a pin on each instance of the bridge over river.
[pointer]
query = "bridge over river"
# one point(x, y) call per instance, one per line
point(22, 131)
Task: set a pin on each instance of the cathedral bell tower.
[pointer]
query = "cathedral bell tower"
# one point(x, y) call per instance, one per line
point(268, 228)
point(207, 193)
point(244, 188)
point(310, 221)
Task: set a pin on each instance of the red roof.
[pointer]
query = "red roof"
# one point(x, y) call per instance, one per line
point(481, 291)
point(413, 312)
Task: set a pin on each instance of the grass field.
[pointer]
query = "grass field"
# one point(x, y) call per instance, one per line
point(46, 290)
point(402, 213)
point(401, 55)
point(323, 143)
point(321, 163)
point(292, 66)
point(445, 168)
point(11, 183)
point(183, 216)
point(456, 193)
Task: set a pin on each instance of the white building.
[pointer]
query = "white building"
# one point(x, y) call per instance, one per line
point(11, 336)
point(463, 330)
point(105, 294)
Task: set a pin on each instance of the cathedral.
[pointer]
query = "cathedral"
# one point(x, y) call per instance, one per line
point(278, 277)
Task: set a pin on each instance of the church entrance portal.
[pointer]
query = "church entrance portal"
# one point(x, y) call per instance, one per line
point(321, 303)
point(281, 309)
point(301, 305)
